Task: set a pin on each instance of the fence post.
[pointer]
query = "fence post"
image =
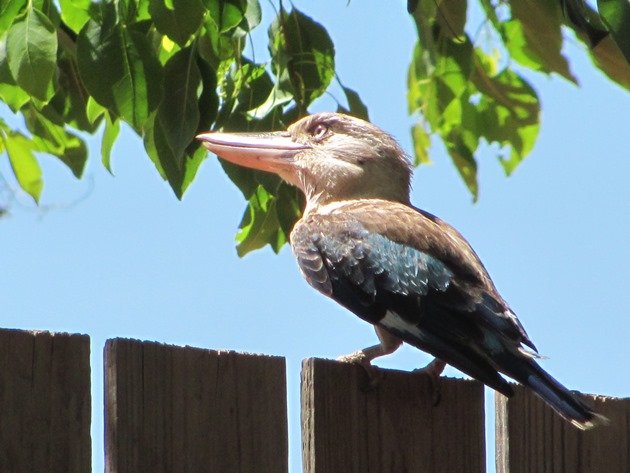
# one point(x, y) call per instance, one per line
point(531, 437)
point(179, 409)
point(45, 402)
point(394, 427)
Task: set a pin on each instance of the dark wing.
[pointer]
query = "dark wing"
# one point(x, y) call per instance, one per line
point(415, 276)
point(426, 233)
point(406, 291)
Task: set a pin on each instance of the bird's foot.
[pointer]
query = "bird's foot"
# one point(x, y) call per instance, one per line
point(358, 357)
point(433, 370)
point(364, 361)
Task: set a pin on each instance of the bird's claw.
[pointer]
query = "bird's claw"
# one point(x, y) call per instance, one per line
point(433, 370)
point(360, 358)
point(354, 357)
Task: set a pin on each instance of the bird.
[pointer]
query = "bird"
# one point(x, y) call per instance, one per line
point(411, 275)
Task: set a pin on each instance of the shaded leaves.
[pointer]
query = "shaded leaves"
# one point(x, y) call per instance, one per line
point(469, 96)
point(177, 19)
point(533, 37)
point(178, 112)
point(303, 56)
point(32, 52)
point(616, 16)
point(48, 137)
point(119, 68)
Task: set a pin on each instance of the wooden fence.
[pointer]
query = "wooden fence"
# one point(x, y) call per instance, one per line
point(180, 409)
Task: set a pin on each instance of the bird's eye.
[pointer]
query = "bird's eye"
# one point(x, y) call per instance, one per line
point(319, 131)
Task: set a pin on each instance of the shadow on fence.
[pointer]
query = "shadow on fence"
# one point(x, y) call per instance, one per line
point(181, 409)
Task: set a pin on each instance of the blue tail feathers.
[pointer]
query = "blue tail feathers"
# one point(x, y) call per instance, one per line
point(565, 402)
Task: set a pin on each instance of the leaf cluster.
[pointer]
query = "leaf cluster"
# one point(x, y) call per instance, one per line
point(170, 69)
point(468, 91)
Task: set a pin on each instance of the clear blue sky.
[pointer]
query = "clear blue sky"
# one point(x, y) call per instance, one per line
point(129, 260)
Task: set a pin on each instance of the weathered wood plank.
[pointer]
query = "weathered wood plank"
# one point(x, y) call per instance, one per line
point(531, 437)
point(180, 409)
point(394, 427)
point(45, 402)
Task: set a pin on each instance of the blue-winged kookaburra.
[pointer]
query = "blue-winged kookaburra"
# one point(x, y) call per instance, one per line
point(411, 275)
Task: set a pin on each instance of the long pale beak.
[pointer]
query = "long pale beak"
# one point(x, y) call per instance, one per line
point(271, 152)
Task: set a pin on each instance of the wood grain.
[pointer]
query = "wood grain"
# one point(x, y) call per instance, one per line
point(530, 437)
point(45, 402)
point(180, 409)
point(391, 428)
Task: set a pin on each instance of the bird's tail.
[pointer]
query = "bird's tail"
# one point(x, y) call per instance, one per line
point(563, 401)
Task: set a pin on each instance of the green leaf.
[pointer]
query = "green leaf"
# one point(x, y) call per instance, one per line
point(178, 171)
point(433, 87)
point(75, 13)
point(616, 15)
point(302, 48)
point(224, 15)
point(208, 100)
point(584, 20)
point(94, 110)
point(128, 12)
point(604, 51)
point(609, 58)
point(421, 144)
point(276, 98)
point(463, 99)
point(32, 53)
point(119, 68)
point(69, 104)
point(252, 86)
point(508, 111)
point(424, 16)
point(245, 87)
point(178, 19)
point(260, 225)
point(9, 9)
point(110, 133)
point(455, 65)
point(356, 107)
point(24, 165)
point(451, 17)
point(461, 153)
point(226, 21)
point(253, 14)
point(178, 112)
point(534, 36)
point(527, 136)
point(417, 80)
point(232, 14)
point(247, 96)
point(155, 151)
point(48, 8)
point(10, 93)
point(57, 141)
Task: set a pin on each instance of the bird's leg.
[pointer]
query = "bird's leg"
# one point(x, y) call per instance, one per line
point(434, 370)
point(388, 344)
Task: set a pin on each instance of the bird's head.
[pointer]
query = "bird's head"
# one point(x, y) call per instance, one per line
point(329, 156)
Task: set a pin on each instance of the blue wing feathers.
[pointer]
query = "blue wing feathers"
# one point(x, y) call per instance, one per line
point(433, 297)
point(370, 275)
